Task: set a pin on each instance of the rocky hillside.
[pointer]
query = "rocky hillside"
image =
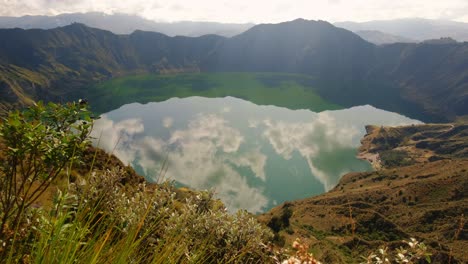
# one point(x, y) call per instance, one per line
point(400, 146)
point(419, 191)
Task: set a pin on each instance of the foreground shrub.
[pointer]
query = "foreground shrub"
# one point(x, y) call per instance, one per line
point(302, 254)
point(413, 252)
point(165, 224)
point(100, 220)
point(35, 146)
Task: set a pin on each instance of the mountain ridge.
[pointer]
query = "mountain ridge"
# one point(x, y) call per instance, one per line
point(381, 38)
point(413, 28)
point(121, 23)
point(348, 70)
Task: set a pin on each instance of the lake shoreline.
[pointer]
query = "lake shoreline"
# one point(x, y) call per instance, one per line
point(372, 158)
point(366, 145)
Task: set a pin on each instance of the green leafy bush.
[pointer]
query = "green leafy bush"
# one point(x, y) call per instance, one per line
point(36, 145)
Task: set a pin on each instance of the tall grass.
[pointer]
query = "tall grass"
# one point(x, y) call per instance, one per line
point(99, 220)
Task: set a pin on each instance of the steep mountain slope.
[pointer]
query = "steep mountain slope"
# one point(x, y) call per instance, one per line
point(57, 64)
point(77, 46)
point(341, 61)
point(427, 81)
point(420, 191)
point(406, 78)
point(301, 46)
point(413, 28)
point(431, 75)
point(381, 38)
point(124, 24)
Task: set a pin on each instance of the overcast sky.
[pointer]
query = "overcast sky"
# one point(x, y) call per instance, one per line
point(257, 11)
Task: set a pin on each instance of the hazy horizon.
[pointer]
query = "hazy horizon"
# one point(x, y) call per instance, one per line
point(243, 11)
point(239, 23)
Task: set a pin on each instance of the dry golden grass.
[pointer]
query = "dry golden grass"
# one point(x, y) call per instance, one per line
point(425, 200)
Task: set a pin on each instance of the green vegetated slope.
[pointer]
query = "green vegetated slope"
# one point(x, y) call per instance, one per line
point(419, 191)
point(287, 90)
point(69, 59)
point(17, 84)
point(426, 81)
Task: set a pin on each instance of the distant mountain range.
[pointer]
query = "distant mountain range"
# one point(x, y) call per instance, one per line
point(377, 32)
point(428, 81)
point(125, 24)
point(381, 38)
point(413, 28)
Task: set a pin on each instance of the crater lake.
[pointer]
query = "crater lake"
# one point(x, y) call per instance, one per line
point(251, 156)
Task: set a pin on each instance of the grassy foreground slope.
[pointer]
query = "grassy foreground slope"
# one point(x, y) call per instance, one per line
point(101, 211)
point(293, 91)
point(419, 191)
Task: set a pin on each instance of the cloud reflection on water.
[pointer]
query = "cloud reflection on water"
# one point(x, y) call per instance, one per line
point(225, 149)
point(323, 133)
point(200, 157)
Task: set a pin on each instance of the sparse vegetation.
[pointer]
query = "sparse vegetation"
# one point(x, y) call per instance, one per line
point(423, 200)
point(282, 222)
point(395, 158)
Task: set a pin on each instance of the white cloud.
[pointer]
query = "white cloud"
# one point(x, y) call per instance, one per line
point(198, 159)
point(246, 10)
point(252, 159)
point(199, 156)
point(323, 133)
point(211, 128)
point(253, 123)
point(117, 137)
point(226, 109)
point(326, 132)
point(168, 122)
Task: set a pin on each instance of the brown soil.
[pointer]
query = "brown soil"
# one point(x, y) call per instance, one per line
point(426, 200)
